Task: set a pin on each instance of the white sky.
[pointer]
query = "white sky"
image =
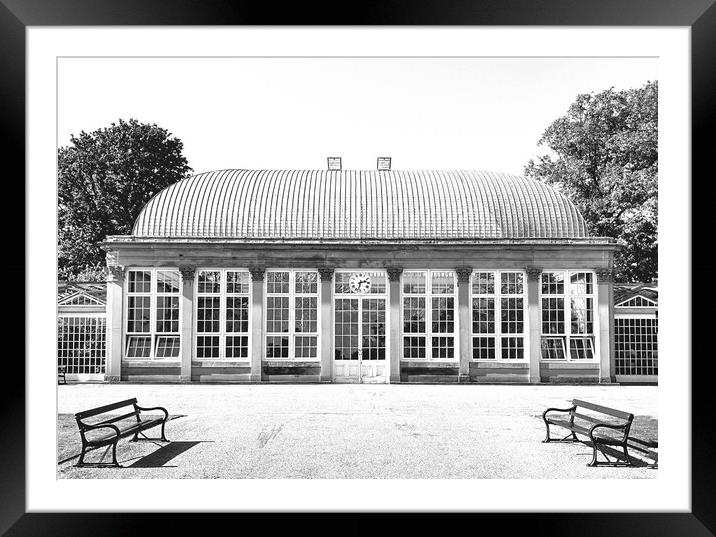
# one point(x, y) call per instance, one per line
point(429, 113)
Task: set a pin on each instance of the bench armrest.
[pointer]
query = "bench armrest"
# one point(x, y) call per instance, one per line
point(570, 409)
point(84, 428)
point(166, 414)
point(624, 427)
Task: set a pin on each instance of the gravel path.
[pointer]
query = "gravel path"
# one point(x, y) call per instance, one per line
point(352, 431)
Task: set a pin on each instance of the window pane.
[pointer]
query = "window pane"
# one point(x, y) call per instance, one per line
point(377, 282)
point(167, 314)
point(237, 314)
point(553, 348)
point(207, 314)
point(276, 347)
point(277, 282)
point(207, 346)
point(167, 281)
point(237, 346)
point(138, 314)
point(140, 281)
point(483, 283)
point(582, 316)
point(580, 348)
point(552, 283)
point(443, 282)
point(277, 314)
point(167, 347)
point(552, 315)
point(306, 314)
point(511, 283)
point(307, 282)
point(237, 282)
point(306, 347)
point(443, 347)
point(209, 281)
point(443, 311)
point(483, 348)
point(512, 312)
point(342, 282)
point(414, 283)
point(414, 315)
point(483, 316)
point(580, 283)
point(139, 347)
point(414, 347)
point(513, 348)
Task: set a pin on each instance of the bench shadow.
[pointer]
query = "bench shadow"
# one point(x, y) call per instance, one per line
point(159, 458)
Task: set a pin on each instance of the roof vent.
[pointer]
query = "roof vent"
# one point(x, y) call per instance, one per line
point(334, 163)
point(384, 163)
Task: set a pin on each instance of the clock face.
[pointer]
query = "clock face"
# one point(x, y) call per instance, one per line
point(359, 283)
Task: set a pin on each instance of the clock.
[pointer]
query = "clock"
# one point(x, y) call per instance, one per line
point(359, 283)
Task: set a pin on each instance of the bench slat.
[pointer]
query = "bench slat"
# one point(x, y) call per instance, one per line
point(102, 409)
point(603, 409)
point(126, 431)
point(119, 418)
point(590, 419)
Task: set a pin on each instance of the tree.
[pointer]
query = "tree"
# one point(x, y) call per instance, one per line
point(604, 157)
point(104, 179)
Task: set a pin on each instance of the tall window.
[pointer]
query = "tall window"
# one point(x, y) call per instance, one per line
point(567, 315)
point(636, 345)
point(429, 315)
point(153, 314)
point(498, 315)
point(222, 314)
point(292, 314)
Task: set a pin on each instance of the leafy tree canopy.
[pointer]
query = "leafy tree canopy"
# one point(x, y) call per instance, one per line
point(104, 179)
point(604, 157)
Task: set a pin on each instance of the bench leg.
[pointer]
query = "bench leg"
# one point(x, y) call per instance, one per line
point(164, 438)
point(626, 455)
point(81, 461)
point(546, 438)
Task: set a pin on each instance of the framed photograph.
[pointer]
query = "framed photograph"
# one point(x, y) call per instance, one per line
point(409, 263)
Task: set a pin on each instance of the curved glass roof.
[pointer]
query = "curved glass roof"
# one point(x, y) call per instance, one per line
point(359, 204)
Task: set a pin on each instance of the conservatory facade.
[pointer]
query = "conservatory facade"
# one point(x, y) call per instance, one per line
point(359, 276)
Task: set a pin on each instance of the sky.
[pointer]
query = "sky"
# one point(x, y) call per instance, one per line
point(292, 113)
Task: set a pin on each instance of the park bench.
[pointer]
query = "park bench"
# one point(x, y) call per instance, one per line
point(113, 422)
point(611, 425)
point(61, 371)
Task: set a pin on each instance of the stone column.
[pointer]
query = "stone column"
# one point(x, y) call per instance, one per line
point(605, 290)
point(326, 275)
point(257, 320)
point(187, 321)
point(115, 323)
point(534, 338)
point(396, 322)
point(464, 322)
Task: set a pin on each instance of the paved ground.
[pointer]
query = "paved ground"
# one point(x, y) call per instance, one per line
point(352, 431)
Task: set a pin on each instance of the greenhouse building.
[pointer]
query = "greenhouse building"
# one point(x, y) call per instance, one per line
point(379, 276)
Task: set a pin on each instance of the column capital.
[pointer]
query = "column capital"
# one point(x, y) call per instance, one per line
point(533, 273)
point(394, 273)
point(187, 272)
point(463, 274)
point(326, 273)
point(257, 272)
point(604, 275)
point(115, 273)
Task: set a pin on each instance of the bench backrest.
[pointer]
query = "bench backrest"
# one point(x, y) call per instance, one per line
point(108, 408)
point(603, 410)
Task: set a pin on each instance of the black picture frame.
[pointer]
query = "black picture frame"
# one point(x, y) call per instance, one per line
point(699, 15)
